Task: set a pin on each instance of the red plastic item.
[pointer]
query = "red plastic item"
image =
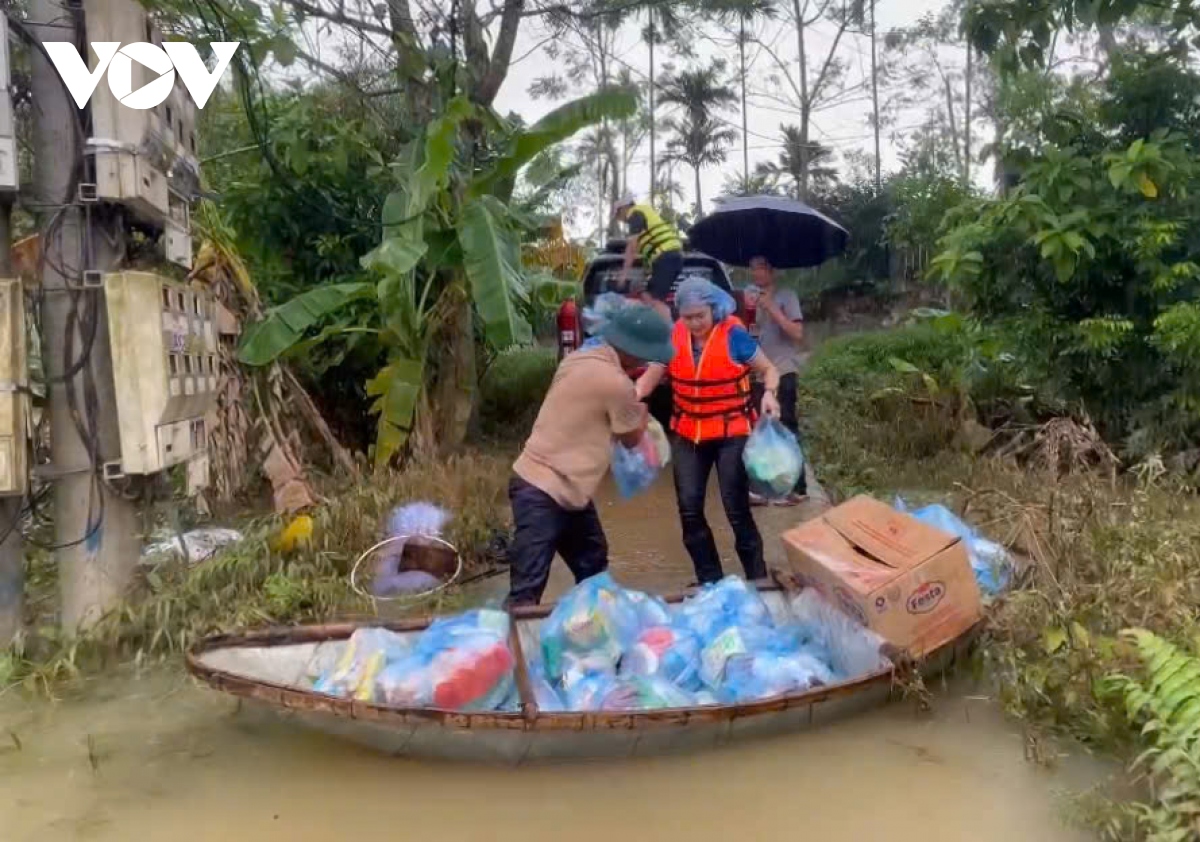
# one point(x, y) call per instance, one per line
point(568, 327)
point(658, 638)
point(474, 678)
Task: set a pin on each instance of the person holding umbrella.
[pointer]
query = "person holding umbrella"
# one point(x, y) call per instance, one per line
point(780, 334)
point(661, 249)
point(712, 419)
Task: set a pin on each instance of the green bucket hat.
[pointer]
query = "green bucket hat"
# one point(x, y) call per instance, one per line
point(639, 331)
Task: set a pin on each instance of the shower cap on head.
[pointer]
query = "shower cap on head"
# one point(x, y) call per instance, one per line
point(695, 291)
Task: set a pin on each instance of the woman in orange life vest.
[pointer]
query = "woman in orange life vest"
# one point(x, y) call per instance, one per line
point(712, 419)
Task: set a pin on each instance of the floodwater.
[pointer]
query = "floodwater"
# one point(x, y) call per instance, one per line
point(158, 758)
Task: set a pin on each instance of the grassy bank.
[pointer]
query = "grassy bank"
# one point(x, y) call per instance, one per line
point(1104, 551)
point(254, 583)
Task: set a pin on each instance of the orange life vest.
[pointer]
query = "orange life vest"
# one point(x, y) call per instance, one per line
point(712, 396)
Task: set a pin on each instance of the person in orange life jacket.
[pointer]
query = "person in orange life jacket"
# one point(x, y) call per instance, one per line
point(591, 402)
point(780, 334)
point(661, 249)
point(712, 419)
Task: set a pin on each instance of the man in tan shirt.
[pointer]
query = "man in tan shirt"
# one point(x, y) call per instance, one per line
point(591, 401)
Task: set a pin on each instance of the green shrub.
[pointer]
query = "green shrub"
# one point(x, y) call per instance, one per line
point(512, 391)
point(876, 404)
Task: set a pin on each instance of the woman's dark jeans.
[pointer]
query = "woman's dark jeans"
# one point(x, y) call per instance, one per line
point(693, 465)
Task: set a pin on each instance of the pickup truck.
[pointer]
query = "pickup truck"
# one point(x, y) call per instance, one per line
point(602, 273)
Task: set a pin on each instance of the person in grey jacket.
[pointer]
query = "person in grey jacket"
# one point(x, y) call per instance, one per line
point(780, 324)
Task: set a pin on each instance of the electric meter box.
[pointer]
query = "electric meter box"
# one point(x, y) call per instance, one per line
point(134, 149)
point(14, 394)
point(163, 337)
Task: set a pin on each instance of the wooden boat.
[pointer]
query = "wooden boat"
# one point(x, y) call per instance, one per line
point(271, 668)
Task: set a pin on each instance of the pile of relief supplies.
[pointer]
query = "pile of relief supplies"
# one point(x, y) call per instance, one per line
point(462, 662)
point(605, 647)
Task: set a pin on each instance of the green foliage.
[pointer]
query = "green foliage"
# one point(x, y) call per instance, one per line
point(920, 202)
point(284, 326)
point(307, 223)
point(876, 400)
point(254, 583)
point(492, 261)
point(512, 392)
point(863, 212)
point(1166, 704)
point(447, 243)
point(1088, 260)
point(1022, 34)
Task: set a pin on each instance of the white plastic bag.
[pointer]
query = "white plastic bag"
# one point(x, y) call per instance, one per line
point(773, 459)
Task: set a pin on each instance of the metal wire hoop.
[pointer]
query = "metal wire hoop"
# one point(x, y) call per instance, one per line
point(354, 586)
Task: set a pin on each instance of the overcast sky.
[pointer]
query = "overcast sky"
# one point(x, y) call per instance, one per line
point(841, 127)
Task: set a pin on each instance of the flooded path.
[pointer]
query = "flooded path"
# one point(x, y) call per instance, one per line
point(158, 758)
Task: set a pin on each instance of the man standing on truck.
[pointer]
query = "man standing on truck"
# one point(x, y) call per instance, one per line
point(591, 402)
point(780, 325)
point(661, 249)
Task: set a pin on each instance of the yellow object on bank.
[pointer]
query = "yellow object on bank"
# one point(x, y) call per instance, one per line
point(298, 532)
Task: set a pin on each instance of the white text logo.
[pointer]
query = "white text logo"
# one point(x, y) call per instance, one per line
point(171, 57)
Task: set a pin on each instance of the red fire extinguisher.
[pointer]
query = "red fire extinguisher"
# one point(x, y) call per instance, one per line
point(568, 328)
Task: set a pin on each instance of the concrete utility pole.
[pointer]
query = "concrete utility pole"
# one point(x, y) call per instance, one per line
point(12, 557)
point(875, 101)
point(95, 562)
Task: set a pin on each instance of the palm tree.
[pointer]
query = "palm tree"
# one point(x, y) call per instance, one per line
point(796, 155)
point(743, 12)
point(701, 137)
point(764, 181)
point(597, 152)
point(700, 93)
point(700, 142)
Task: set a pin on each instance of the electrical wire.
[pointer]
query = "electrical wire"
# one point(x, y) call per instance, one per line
point(83, 315)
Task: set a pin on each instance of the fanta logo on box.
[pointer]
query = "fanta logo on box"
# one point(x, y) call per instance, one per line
point(926, 598)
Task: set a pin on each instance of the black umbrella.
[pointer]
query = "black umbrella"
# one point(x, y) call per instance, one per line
point(788, 233)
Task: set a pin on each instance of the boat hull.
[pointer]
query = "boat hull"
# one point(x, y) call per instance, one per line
point(267, 670)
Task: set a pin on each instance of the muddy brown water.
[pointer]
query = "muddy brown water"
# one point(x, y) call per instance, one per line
point(158, 758)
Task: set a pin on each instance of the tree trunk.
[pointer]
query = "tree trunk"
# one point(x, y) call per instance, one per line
point(951, 120)
point(875, 101)
point(805, 99)
point(967, 122)
point(699, 198)
point(653, 116)
point(614, 189)
point(745, 132)
point(454, 394)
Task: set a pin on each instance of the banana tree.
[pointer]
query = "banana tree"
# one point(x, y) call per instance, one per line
point(449, 259)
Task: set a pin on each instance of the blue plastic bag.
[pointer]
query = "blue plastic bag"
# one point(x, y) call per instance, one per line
point(631, 470)
point(989, 560)
point(764, 674)
point(731, 601)
point(544, 694)
point(652, 610)
point(773, 459)
point(667, 652)
point(363, 657)
point(458, 663)
point(850, 648)
point(600, 692)
point(596, 620)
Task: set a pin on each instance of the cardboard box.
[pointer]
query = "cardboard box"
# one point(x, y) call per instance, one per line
point(911, 583)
